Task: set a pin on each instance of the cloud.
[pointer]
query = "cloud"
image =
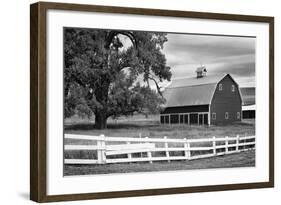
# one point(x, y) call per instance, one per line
point(221, 54)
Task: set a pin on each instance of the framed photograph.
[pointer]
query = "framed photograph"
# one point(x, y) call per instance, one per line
point(133, 102)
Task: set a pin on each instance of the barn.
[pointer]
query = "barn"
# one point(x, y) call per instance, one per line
point(249, 111)
point(249, 102)
point(202, 100)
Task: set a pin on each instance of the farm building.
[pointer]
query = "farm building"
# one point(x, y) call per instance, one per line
point(202, 100)
point(248, 102)
point(249, 112)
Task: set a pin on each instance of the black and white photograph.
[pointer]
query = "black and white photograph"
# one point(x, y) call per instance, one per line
point(148, 101)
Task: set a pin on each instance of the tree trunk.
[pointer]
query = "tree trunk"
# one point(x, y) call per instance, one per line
point(101, 120)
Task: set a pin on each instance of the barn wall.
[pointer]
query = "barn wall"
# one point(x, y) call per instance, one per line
point(186, 109)
point(249, 114)
point(191, 115)
point(226, 101)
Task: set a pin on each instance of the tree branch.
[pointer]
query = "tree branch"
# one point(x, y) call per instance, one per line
point(157, 86)
point(112, 34)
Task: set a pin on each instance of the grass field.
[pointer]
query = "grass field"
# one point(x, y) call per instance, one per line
point(243, 159)
point(150, 127)
point(137, 126)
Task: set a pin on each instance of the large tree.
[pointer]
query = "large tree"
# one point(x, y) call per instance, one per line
point(102, 76)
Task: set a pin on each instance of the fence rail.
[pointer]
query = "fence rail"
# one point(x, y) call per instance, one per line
point(190, 149)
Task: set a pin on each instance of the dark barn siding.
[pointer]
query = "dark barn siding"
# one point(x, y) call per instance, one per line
point(178, 115)
point(186, 109)
point(226, 101)
point(223, 101)
point(249, 114)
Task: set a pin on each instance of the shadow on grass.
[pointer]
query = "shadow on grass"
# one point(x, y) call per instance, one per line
point(80, 126)
point(90, 126)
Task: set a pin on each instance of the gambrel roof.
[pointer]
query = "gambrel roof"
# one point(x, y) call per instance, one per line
point(192, 91)
point(248, 95)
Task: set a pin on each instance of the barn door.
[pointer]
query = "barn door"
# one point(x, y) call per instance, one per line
point(206, 119)
point(201, 119)
point(186, 118)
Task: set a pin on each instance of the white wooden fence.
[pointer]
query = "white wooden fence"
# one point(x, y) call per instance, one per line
point(106, 147)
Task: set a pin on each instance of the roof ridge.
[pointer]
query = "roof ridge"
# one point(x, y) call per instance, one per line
point(193, 81)
point(194, 77)
point(195, 85)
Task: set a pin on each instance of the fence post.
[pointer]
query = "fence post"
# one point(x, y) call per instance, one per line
point(244, 141)
point(149, 155)
point(214, 146)
point(186, 149)
point(226, 144)
point(166, 148)
point(129, 155)
point(237, 143)
point(101, 150)
point(140, 138)
point(99, 158)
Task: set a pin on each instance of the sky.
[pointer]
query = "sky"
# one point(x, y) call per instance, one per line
point(220, 54)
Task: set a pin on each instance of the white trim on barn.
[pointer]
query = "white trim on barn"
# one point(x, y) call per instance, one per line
point(248, 107)
point(248, 111)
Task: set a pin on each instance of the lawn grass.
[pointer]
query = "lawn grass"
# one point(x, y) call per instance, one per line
point(139, 126)
point(150, 127)
point(242, 159)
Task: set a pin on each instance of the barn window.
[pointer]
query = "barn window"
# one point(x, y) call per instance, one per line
point(181, 119)
point(238, 115)
point(226, 115)
point(174, 119)
point(214, 116)
point(193, 118)
point(167, 119)
point(233, 88)
point(220, 86)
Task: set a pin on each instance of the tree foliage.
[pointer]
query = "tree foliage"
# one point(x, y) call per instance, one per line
point(105, 78)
